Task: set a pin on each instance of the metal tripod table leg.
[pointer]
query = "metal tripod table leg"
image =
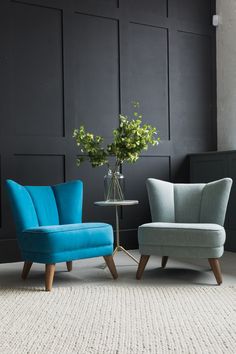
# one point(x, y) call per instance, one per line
point(118, 246)
point(116, 204)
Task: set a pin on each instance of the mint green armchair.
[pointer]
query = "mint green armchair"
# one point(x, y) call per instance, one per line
point(187, 221)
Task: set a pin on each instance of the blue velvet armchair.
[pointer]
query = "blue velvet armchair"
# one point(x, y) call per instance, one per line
point(50, 230)
point(187, 221)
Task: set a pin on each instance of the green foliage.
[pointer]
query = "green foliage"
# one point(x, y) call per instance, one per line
point(129, 140)
point(91, 145)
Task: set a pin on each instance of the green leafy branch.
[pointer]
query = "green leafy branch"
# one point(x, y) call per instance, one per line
point(129, 140)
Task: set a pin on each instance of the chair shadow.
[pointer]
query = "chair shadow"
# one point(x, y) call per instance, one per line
point(35, 280)
point(178, 276)
point(170, 276)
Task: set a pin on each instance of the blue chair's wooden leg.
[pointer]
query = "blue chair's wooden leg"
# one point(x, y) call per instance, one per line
point(142, 264)
point(164, 261)
point(26, 269)
point(49, 275)
point(69, 266)
point(111, 265)
point(215, 266)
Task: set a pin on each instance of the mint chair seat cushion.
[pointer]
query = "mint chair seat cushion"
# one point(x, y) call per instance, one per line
point(72, 241)
point(182, 239)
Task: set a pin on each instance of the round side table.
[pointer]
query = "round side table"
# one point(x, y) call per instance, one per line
point(117, 204)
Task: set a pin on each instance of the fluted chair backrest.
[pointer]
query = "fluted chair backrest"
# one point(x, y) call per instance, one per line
point(35, 206)
point(189, 203)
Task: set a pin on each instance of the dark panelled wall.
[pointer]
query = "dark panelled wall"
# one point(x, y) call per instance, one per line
point(67, 63)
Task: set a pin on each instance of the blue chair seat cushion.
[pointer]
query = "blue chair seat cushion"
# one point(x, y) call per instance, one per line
point(181, 234)
point(65, 238)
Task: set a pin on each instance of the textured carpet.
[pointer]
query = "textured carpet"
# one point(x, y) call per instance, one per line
point(118, 319)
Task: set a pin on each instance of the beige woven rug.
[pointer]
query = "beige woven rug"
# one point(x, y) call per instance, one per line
point(118, 319)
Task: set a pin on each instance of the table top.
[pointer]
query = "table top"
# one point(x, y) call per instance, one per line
point(116, 203)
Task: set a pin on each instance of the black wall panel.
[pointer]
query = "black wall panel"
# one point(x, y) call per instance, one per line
point(35, 71)
point(65, 63)
point(36, 169)
point(148, 73)
point(96, 73)
point(157, 8)
point(193, 11)
point(207, 167)
point(193, 85)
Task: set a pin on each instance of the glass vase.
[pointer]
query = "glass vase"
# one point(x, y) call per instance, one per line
point(114, 186)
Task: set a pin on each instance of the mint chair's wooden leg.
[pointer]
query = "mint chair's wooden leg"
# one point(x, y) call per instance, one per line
point(69, 266)
point(26, 269)
point(142, 264)
point(111, 265)
point(164, 261)
point(49, 275)
point(215, 266)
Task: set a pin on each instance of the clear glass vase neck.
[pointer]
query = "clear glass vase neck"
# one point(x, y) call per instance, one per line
point(114, 169)
point(114, 185)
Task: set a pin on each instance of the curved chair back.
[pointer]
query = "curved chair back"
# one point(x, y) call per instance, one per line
point(35, 206)
point(50, 229)
point(189, 203)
